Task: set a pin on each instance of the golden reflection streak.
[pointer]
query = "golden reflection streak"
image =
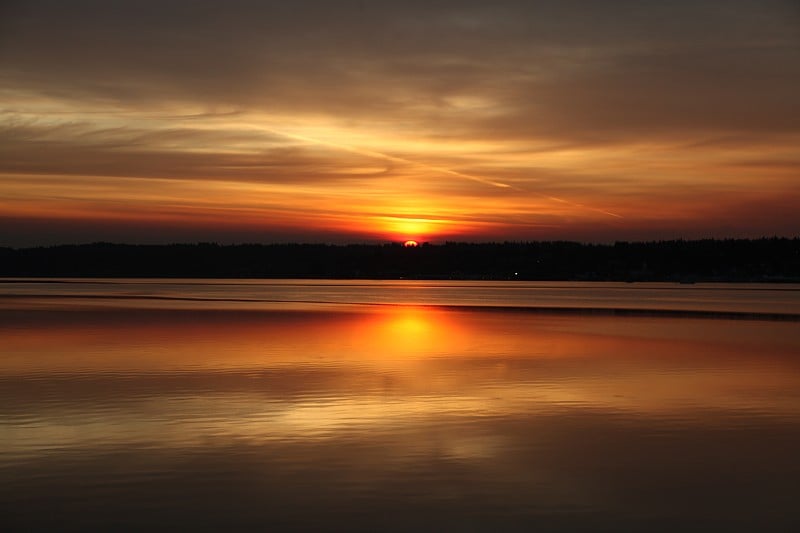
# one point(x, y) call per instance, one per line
point(391, 366)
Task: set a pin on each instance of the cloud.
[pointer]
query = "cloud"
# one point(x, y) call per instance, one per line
point(571, 69)
point(581, 107)
point(175, 153)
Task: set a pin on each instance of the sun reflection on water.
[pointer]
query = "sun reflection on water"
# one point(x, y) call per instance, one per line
point(311, 375)
point(410, 332)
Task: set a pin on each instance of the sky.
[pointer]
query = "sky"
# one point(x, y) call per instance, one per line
point(368, 121)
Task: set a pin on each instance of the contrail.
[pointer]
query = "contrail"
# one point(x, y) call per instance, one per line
point(388, 157)
point(582, 206)
point(442, 170)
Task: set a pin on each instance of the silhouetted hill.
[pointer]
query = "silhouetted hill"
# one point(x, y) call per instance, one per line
point(773, 259)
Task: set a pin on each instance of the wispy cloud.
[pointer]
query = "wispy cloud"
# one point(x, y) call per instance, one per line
point(513, 119)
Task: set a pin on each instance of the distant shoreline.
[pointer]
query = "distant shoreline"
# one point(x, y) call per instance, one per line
point(767, 260)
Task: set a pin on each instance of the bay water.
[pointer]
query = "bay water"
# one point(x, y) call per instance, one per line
point(398, 405)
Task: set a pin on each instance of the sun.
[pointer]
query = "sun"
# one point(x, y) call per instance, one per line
point(410, 244)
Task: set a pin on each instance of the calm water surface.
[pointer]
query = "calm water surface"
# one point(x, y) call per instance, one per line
point(165, 404)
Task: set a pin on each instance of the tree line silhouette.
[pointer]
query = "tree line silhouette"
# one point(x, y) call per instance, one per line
point(766, 259)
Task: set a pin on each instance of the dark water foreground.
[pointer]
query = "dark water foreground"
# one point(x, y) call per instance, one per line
point(205, 406)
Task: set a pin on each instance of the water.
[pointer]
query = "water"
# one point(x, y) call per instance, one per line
point(363, 406)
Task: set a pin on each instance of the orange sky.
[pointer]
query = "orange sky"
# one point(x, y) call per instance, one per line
point(368, 122)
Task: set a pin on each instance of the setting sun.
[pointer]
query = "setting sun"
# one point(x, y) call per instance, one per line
point(410, 244)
